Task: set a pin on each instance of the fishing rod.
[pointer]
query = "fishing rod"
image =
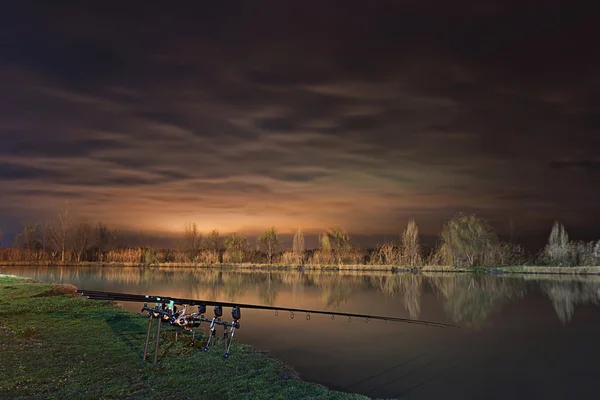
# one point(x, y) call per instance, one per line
point(165, 309)
point(99, 295)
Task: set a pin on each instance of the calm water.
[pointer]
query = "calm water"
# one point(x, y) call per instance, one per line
point(521, 337)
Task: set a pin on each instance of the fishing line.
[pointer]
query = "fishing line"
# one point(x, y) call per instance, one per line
point(402, 376)
point(385, 370)
point(427, 380)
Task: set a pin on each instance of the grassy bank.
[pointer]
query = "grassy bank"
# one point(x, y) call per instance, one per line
point(56, 346)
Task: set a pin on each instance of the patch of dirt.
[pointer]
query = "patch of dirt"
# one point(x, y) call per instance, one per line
point(59, 290)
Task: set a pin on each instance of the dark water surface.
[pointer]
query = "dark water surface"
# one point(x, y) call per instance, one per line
point(521, 337)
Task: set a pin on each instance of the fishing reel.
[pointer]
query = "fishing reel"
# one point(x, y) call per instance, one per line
point(180, 319)
point(159, 311)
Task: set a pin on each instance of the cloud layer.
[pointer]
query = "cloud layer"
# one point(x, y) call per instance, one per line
point(243, 115)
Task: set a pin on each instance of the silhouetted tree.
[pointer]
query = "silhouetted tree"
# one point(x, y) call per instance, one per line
point(101, 237)
point(82, 239)
point(46, 238)
point(105, 239)
point(191, 244)
point(28, 238)
point(60, 235)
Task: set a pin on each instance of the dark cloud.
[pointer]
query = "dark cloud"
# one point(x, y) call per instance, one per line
point(584, 165)
point(70, 59)
point(57, 147)
point(280, 124)
point(366, 123)
point(298, 176)
point(11, 172)
point(245, 115)
point(66, 194)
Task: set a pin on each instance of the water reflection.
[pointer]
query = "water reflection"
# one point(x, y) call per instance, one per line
point(467, 300)
point(334, 291)
point(568, 292)
point(267, 290)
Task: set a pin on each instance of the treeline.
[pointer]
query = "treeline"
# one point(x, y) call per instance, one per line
point(63, 240)
point(465, 241)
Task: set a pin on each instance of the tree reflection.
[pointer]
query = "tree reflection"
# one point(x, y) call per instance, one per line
point(412, 294)
point(566, 293)
point(336, 293)
point(409, 285)
point(267, 292)
point(470, 300)
point(234, 287)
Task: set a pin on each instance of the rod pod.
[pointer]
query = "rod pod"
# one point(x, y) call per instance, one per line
point(147, 337)
point(157, 340)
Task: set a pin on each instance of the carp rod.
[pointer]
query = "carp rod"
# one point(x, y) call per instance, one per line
point(100, 295)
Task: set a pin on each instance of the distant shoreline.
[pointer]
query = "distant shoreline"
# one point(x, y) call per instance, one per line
point(356, 267)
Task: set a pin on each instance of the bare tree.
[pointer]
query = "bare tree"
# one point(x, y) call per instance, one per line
point(28, 238)
point(214, 243)
point(411, 249)
point(82, 239)
point(557, 249)
point(46, 237)
point(191, 244)
point(105, 239)
point(101, 237)
point(298, 247)
point(61, 234)
point(269, 243)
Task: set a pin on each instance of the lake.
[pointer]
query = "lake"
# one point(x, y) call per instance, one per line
point(521, 336)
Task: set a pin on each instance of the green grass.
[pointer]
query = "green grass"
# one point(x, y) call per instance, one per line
point(54, 346)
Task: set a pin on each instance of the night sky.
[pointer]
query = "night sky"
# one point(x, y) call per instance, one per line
point(239, 115)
